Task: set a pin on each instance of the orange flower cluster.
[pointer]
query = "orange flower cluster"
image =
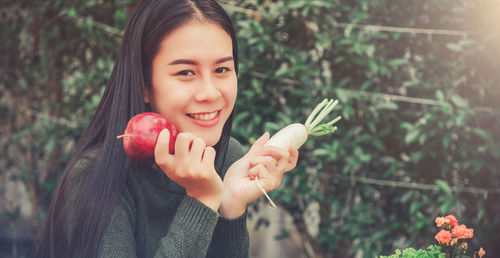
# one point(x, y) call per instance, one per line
point(443, 237)
point(453, 232)
point(462, 232)
point(457, 231)
point(448, 220)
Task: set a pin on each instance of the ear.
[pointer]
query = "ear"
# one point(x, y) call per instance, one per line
point(146, 95)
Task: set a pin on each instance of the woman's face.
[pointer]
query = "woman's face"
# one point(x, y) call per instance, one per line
point(194, 80)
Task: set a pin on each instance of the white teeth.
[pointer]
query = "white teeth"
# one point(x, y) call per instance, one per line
point(203, 116)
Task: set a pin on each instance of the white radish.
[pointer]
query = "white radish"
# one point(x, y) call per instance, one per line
point(295, 135)
point(292, 135)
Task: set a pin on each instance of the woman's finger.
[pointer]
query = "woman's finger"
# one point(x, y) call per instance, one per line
point(268, 161)
point(292, 160)
point(209, 156)
point(268, 180)
point(163, 158)
point(258, 144)
point(183, 145)
point(276, 152)
point(197, 148)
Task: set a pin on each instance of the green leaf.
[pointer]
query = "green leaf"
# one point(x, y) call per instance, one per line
point(406, 125)
point(454, 47)
point(366, 85)
point(88, 23)
point(411, 136)
point(387, 106)
point(398, 62)
point(459, 101)
point(482, 134)
point(446, 141)
point(370, 50)
point(378, 144)
point(446, 206)
point(120, 15)
point(443, 186)
point(342, 95)
point(373, 66)
point(321, 152)
point(408, 84)
point(72, 12)
point(295, 4)
point(439, 95)
point(417, 156)
point(347, 31)
point(480, 215)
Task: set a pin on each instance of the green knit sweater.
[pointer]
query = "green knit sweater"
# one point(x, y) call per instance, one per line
point(155, 218)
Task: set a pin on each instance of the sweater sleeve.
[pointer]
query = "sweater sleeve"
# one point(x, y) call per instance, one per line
point(189, 233)
point(191, 230)
point(230, 238)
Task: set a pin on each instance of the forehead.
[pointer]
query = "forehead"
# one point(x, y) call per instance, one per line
point(198, 40)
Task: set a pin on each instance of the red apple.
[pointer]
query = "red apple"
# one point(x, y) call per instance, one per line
point(141, 134)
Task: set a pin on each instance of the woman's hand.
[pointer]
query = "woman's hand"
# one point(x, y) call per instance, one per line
point(268, 163)
point(191, 166)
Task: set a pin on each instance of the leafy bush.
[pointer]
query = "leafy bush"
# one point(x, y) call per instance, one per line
point(420, 128)
point(434, 252)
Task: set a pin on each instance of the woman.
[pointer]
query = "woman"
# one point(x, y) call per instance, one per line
point(178, 58)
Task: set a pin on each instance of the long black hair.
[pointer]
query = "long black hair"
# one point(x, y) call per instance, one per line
point(86, 194)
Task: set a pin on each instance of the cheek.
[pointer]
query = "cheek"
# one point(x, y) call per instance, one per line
point(167, 99)
point(232, 92)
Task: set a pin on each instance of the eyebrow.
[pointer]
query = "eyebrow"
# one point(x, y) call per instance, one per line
point(192, 62)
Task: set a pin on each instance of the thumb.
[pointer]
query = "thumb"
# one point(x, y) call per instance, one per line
point(258, 144)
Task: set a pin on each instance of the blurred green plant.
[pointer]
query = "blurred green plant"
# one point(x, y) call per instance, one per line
point(420, 131)
point(56, 59)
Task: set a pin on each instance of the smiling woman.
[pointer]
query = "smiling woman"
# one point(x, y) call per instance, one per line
point(194, 81)
point(178, 59)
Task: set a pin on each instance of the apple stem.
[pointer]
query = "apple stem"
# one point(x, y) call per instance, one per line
point(123, 135)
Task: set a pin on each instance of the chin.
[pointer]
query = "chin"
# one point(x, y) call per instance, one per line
point(211, 140)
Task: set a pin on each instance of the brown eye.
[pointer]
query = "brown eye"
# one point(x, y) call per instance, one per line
point(221, 70)
point(185, 73)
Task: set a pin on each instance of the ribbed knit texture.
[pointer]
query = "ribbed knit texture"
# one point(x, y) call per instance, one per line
point(155, 218)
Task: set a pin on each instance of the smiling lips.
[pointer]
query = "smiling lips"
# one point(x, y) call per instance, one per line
point(205, 119)
point(204, 116)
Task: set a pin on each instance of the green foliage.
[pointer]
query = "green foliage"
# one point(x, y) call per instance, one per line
point(419, 135)
point(434, 252)
point(58, 56)
point(420, 127)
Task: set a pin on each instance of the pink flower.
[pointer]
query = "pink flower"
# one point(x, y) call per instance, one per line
point(443, 236)
point(440, 221)
point(462, 232)
point(454, 241)
point(464, 245)
point(452, 220)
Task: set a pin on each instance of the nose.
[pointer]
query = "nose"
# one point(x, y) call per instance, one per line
point(207, 91)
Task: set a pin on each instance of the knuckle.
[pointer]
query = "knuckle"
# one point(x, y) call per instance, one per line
point(181, 168)
point(210, 149)
point(276, 183)
point(199, 141)
point(161, 161)
point(181, 136)
point(185, 136)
